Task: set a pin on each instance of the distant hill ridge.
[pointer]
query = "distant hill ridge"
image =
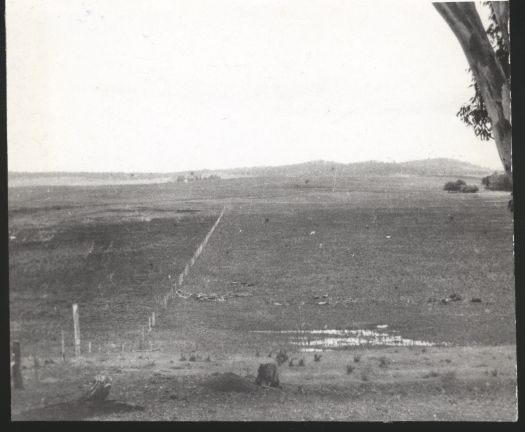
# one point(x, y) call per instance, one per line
point(320, 168)
point(427, 167)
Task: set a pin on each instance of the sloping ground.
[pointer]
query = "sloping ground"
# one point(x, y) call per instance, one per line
point(112, 269)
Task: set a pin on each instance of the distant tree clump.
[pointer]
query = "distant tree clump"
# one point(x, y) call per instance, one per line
point(497, 182)
point(460, 186)
point(454, 186)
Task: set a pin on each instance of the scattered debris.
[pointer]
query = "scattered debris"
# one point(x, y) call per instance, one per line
point(267, 375)
point(323, 303)
point(312, 233)
point(451, 298)
point(245, 284)
point(277, 304)
point(212, 296)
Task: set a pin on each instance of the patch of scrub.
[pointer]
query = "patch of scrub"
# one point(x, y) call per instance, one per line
point(330, 339)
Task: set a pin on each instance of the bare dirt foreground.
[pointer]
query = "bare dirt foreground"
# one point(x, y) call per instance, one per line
point(390, 384)
point(405, 291)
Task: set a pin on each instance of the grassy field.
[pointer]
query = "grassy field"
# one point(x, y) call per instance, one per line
point(306, 258)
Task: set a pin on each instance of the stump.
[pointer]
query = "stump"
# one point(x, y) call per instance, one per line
point(267, 375)
point(99, 390)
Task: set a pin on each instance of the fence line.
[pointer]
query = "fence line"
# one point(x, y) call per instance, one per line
point(170, 294)
point(152, 320)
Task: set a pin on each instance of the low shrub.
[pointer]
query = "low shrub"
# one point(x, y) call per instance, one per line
point(497, 182)
point(469, 189)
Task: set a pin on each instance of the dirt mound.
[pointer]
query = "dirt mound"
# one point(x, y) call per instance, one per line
point(230, 382)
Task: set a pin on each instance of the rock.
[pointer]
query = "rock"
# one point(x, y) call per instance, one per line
point(455, 297)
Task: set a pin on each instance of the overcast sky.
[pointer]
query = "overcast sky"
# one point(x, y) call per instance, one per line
point(170, 85)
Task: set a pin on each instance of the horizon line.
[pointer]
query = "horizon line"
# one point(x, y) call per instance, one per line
point(248, 167)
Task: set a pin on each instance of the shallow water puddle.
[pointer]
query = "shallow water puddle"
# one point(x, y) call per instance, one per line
point(321, 340)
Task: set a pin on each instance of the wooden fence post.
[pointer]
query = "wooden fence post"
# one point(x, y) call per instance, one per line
point(36, 366)
point(76, 329)
point(142, 338)
point(153, 319)
point(63, 345)
point(89, 347)
point(16, 360)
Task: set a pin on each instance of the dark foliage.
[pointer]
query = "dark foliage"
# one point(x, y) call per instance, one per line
point(474, 113)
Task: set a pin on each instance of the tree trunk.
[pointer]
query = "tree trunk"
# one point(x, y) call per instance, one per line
point(466, 24)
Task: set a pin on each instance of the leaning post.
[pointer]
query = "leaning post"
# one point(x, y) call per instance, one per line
point(76, 329)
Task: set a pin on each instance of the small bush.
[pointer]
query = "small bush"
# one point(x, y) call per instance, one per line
point(357, 358)
point(281, 357)
point(349, 369)
point(383, 362)
point(469, 189)
point(454, 186)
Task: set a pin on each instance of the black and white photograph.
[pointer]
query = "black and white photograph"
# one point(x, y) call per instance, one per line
point(260, 211)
